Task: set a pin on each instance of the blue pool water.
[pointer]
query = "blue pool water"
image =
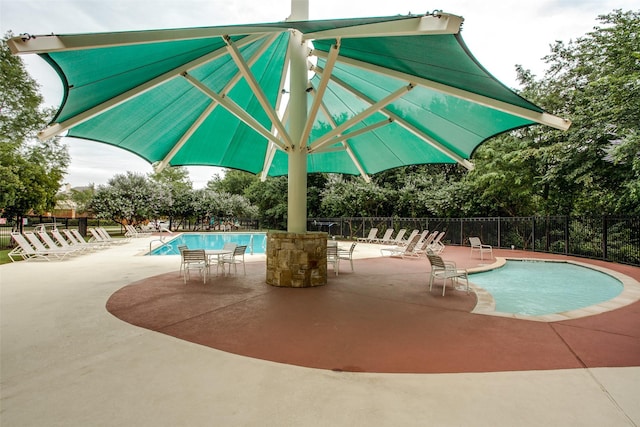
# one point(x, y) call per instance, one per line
point(255, 242)
point(536, 288)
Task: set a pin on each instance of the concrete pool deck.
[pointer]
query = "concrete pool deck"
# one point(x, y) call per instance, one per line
point(67, 361)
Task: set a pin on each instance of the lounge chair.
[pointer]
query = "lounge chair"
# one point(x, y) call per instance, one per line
point(386, 237)
point(371, 237)
point(108, 238)
point(74, 237)
point(441, 269)
point(398, 239)
point(133, 232)
point(477, 245)
point(48, 240)
point(347, 255)
point(436, 245)
point(410, 238)
point(403, 251)
point(41, 250)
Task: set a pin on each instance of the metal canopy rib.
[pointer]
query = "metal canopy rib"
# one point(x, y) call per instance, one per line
point(375, 107)
point(230, 84)
point(234, 109)
point(257, 90)
point(406, 125)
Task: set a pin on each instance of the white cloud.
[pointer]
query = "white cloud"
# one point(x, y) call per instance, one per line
point(499, 33)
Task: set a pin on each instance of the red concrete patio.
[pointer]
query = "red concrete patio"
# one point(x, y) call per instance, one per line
point(380, 318)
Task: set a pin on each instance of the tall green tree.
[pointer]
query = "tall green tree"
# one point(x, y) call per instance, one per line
point(177, 190)
point(31, 171)
point(129, 198)
point(595, 80)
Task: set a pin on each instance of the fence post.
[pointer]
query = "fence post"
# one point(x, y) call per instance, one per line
point(566, 234)
point(605, 237)
point(533, 233)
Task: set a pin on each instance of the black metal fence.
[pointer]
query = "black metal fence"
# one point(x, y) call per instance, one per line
point(614, 239)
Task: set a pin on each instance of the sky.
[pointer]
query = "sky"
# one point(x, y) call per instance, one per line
point(499, 33)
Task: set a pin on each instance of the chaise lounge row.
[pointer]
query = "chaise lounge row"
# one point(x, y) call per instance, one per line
point(42, 245)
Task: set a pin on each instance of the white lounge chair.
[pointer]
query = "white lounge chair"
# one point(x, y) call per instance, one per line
point(386, 237)
point(39, 249)
point(398, 239)
point(410, 238)
point(106, 237)
point(477, 245)
point(441, 269)
point(436, 245)
point(371, 237)
point(51, 244)
point(402, 251)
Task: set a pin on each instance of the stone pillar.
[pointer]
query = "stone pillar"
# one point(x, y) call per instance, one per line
point(296, 260)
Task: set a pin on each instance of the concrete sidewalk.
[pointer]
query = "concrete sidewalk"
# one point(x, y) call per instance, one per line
point(66, 361)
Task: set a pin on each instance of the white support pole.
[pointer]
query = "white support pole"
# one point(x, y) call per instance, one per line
point(297, 187)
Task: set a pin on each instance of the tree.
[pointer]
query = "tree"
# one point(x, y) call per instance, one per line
point(128, 199)
point(31, 172)
point(596, 81)
point(177, 190)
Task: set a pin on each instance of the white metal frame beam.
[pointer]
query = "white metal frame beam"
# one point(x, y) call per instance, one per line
point(406, 125)
point(443, 23)
point(322, 86)
point(257, 89)
point(230, 84)
point(372, 109)
point(234, 109)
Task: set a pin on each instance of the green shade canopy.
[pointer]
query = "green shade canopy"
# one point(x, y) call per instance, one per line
point(383, 92)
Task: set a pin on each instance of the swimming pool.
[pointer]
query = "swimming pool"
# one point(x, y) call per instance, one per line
point(535, 288)
point(255, 242)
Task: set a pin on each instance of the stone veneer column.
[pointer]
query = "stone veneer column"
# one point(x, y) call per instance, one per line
point(296, 260)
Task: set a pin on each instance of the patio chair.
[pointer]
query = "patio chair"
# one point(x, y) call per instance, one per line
point(372, 236)
point(237, 257)
point(347, 255)
point(333, 258)
point(441, 269)
point(195, 259)
point(181, 249)
point(228, 246)
point(403, 251)
point(385, 237)
point(477, 245)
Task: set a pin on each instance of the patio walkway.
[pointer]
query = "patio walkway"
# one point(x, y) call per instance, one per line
point(66, 361)
point(381, 318)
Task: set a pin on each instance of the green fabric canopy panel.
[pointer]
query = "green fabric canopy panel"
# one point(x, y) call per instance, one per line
point(180, 97)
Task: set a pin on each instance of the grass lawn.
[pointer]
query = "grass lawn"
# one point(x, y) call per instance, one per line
point(4, 258)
